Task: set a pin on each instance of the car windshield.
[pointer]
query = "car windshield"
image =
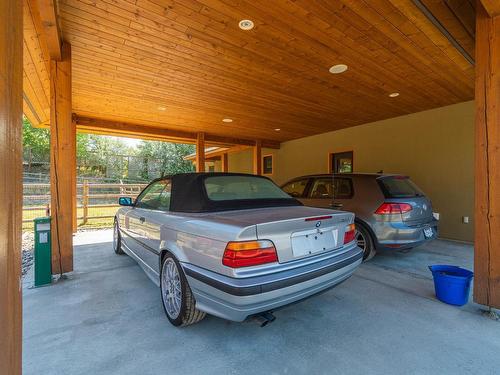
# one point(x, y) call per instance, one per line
point(227, 188)
point(399, 187)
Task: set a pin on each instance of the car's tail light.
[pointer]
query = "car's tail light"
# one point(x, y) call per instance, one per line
point(393, 208)
point(350, 233)
point(249, 253)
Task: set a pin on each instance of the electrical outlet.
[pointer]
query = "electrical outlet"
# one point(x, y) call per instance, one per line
point(465, 219)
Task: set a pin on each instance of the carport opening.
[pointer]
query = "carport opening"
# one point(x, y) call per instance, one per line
point(107, 167)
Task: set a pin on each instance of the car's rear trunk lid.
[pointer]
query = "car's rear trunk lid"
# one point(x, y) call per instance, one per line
point(301, 232)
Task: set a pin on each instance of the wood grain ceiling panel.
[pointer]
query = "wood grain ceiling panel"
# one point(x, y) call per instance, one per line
point(36, 104)
point(131, 57)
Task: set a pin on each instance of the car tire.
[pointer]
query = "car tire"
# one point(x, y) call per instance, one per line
point(365, 242)
point(177, 299)
point(117, 239)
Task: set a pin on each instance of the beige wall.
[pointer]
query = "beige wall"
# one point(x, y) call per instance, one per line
point(435, 148)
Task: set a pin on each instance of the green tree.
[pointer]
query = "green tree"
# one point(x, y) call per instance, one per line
point(105, 156)
point(36, 143)
point(168, 156)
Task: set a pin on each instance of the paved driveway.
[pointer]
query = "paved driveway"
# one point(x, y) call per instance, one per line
point(108, 319)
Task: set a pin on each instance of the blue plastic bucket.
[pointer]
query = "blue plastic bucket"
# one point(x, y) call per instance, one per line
point(452, 284)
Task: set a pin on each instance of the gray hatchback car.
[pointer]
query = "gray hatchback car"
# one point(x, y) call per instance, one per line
point(391, 211)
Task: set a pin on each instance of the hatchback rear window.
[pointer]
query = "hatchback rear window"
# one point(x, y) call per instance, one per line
point(226, 188)
point(399, 187)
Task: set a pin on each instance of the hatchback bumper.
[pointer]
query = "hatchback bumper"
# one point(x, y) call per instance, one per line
point(399, 235)
point(236, 299)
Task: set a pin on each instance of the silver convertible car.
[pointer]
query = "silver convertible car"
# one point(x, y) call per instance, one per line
point(233, 245)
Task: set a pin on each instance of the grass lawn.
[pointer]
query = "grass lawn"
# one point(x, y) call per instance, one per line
point(91, 223)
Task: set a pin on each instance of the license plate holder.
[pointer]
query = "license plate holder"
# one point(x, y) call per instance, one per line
point(428, 232)
point(313, 241)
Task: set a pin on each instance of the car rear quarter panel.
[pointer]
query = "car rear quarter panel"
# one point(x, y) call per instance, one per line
point(197, 241)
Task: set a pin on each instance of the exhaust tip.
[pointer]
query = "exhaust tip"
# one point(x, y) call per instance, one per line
point(264, 318)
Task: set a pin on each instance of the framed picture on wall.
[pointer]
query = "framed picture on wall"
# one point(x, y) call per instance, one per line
point(267, 164)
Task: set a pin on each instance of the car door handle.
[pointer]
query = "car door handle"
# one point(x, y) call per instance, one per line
point(142, 219)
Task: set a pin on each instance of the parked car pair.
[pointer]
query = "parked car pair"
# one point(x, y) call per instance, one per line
point(233, 245)
point(391, 211)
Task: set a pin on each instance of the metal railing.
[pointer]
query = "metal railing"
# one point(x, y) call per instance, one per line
point(95, 201)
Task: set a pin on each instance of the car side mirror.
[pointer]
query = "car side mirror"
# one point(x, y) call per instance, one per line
point(125, 201)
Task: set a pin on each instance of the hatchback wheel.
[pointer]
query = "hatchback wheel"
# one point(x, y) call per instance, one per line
point(117, 239)
point(365, 242)
point(178, 301)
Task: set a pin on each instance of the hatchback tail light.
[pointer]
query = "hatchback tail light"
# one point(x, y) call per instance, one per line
point(350, 233)
point(249, 253)
point(393, 208)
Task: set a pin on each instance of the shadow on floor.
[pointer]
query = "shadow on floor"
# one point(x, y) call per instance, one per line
point(108, 319)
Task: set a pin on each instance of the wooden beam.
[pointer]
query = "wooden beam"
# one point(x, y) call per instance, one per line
point(257, 158)
point(11, 99)
point(464, 11)
point(224, 162)
point(200, 153)
point(487, 164)
point(126, 129)
point(216, 154)
point(62, 134)
point(73, 179)
point(492, 7)
point(51, 35)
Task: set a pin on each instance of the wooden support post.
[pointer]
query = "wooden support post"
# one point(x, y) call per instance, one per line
point(62, 134)
point(224, 163)
point(11, 91)
point(257, 158)
point(487, 165)
point(73, 180)
point(200, 152)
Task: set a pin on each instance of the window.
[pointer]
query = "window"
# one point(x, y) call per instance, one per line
point(267, 164)
point(296, 188)
point(156, 196)
point(399, 187)
point(226, 188)
point(342, 188)
point(342, 162)
point(322, 188)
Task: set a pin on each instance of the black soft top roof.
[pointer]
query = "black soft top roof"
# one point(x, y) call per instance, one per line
point(189, 195)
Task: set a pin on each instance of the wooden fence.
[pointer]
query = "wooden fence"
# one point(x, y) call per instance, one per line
point(94, 200)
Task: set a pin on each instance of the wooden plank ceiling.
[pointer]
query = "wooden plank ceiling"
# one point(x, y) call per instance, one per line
point(185, 65)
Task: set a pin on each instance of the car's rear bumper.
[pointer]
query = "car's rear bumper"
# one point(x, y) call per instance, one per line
point(400, 235)
point(236, 299)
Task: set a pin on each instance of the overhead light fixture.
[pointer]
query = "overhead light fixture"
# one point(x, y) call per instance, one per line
point(162, 108)
point(227, 120)
point(277, 129)
point(337, 69)
point(246, 25)
point(394, 94)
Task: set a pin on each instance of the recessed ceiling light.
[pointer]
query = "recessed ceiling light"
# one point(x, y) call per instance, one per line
point(162, 108)
point(277, 129)
point(337, 69)
point(394, 94)
point(246, 25)
point(227, 120)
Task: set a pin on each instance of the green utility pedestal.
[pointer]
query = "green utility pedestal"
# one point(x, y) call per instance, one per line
point(43, 254)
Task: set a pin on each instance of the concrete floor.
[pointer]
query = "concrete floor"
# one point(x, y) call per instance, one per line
point(108, 319)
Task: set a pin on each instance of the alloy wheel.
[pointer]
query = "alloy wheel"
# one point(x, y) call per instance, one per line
point(360, 240)
point(171, 288)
